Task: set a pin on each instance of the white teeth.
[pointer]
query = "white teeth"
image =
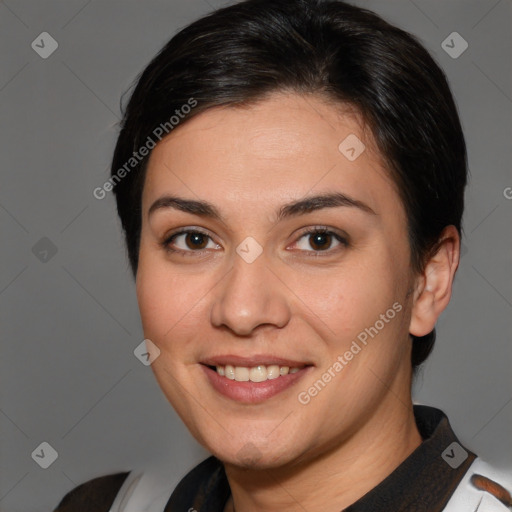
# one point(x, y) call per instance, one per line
point(258, 373)
point(241, 373)
point(272, 371)
point(229, 371)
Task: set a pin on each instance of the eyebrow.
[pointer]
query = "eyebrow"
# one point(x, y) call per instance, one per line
point(293, 209)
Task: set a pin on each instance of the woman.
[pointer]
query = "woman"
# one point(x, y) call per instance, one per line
point(290, 180)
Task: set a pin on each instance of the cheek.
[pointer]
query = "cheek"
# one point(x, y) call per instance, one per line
point(364, 303)
point(351, 297)
point(171, 303)
point(156, 296)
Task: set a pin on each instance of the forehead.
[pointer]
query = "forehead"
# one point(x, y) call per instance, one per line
point(280, 148)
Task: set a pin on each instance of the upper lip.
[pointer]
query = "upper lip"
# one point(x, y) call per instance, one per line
point(263, 359)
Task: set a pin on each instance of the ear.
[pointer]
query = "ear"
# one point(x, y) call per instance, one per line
point(433, 288)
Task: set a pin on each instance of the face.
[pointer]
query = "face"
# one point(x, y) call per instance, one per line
point(273, 277)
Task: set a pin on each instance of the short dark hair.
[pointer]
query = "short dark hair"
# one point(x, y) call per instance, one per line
point(241, 53)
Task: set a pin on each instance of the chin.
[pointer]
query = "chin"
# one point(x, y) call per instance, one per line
point(254, 455)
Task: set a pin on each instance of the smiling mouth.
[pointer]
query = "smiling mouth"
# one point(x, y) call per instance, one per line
point(255, 382)
point(259, 373)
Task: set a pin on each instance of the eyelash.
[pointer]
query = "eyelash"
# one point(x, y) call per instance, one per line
point(166, 243)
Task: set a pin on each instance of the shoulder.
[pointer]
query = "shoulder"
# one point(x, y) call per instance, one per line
point(147, 487)
point(483, 488)
point(97, 494)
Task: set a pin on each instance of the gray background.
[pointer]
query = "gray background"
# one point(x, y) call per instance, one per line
point(70, 319)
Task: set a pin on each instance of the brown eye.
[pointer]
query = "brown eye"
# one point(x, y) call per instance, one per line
point(196, 240)
point(320, 241)
point(189, 242)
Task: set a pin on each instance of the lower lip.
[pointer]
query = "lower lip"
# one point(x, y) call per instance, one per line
point(252, 392)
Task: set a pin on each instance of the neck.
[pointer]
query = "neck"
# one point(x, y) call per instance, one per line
point(336, 478)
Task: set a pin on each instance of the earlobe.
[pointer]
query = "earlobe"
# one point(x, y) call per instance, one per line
point(434, 286)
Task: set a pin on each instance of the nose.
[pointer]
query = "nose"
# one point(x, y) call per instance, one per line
point(250, 295)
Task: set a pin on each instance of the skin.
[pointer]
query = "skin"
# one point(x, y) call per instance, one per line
point(293, 301)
